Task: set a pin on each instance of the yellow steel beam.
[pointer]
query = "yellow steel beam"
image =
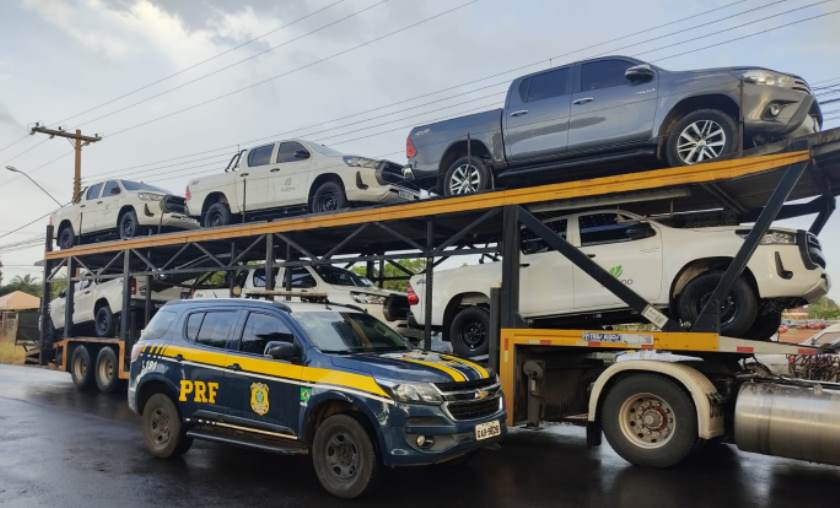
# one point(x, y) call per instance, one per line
point(653, 179)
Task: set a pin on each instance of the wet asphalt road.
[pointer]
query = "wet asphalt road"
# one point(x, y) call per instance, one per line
point(60, 447)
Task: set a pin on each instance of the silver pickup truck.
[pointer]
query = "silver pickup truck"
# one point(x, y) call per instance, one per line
point(609, 109)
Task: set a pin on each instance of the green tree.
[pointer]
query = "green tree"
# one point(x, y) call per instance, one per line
point(416, 265)
point(824, 308)
point(26, 283)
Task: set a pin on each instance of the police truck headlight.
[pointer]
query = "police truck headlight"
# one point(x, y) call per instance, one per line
point(414, 393)
point(772, 237)
point(150, 196)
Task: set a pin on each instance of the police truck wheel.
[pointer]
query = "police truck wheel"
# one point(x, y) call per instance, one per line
point(328, 197)
point(103, 321)
point(344, 457)
point(701, 136)
point(650, 420)
point(66, 238)
point(466, 175)
point(162, 429)
point(217, 214)
point(469, 332)
point(81, 368)
point(737, 311)
point(106, 373)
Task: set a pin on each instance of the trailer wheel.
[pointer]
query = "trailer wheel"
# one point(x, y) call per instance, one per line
point(469, 332)
point(466, 175)
point(650, 420)
point(107, 366)
point(163, 431)
point(344, 457)
point(81, 367)
point(701, 136)
point(737, 311)
point(103, 321)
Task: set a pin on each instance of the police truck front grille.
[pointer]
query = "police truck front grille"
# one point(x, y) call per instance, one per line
point(471, 410)
point(466, 385)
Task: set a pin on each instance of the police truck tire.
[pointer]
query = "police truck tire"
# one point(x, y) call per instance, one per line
point(650, 420)
point(81, 368)
point(163, 431)
point(738, 310)
point(466, 175)
point(469, 332)
point(344, 457)
point(107, 370)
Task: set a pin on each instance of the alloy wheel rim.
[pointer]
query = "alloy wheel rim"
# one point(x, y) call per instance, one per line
point(343, 457)
point(700, 141)
point(647, 420)
point(466, 179)
point(727, 307)
point(129, 227)
point(327, 202)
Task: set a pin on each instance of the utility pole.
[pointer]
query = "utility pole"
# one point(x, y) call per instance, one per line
point(79, 140)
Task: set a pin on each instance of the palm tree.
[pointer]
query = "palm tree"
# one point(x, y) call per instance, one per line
point(26, 283)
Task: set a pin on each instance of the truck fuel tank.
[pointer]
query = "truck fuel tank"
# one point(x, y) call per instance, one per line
point(800, 421)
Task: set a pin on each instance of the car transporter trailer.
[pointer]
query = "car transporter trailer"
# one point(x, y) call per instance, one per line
point(680, 386)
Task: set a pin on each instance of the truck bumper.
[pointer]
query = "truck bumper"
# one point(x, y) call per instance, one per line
point(792, 119)
point(449, 438)
point(150, 217)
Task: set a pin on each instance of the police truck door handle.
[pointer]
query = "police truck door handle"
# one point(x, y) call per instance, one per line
point(234, 366)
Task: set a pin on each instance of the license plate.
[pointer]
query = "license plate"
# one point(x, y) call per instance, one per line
point(487, 430)
point(407, 195)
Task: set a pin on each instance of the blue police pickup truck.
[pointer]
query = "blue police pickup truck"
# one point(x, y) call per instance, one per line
point(324, 379)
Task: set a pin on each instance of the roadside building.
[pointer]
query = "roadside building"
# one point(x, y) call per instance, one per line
point(11, 305)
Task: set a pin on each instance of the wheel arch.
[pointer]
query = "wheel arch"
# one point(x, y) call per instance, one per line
point(458, 149)
point(322, 407)
point(710, 420)
point(324, 177)
point(718, 101)
point(212, 198)
point(124, 210)
point(697, 267)
point(465, 299)
point(151, 385)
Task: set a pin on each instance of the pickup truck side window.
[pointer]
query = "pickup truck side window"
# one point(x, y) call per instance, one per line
point(533, 244)
point(545, 86)
point(260, 156)
point(112, 188)
point(301, 278)
point(603, 74)
point(93, 192)
point(609, 228)
point(291, 151)
point(259, 277)
point(259, 330)
point(216, 329)
point(159, 325)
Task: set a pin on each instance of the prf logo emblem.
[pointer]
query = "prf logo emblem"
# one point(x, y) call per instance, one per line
point(259, 398)
point(203, 392)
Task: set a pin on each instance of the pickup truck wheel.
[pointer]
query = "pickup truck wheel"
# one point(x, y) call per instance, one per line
point(344, 457)
point(701, 136)
point(328, 197)
point(66, 237)
point(649, 420)
point(163, 431)
point(469, 332)
point(466, 175)
point(766, 324)
point(737, 311)
point(217, 214)
point(106, 376)
point(128, 226)
point(81, 368)
point(103, 322)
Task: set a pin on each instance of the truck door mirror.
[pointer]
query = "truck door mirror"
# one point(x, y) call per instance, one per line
point(301, 154)
point(639, 73)
point(285, 350)
point(640, 231)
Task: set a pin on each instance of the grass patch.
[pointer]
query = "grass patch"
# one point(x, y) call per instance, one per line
point(9, 353)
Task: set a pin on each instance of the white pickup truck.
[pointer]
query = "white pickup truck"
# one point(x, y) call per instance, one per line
point(294, 175)
point(98, 305)
point(340, 285)
point(675, 269)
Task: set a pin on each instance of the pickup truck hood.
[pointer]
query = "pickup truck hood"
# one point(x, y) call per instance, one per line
point(736, 71)
point(411, 366)
point(733, 229)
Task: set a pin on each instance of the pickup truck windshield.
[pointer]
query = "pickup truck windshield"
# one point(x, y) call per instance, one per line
point(340, 277)
point(349, 332)
point(140, 186)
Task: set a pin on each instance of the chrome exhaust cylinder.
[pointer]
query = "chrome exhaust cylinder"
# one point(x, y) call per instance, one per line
point(799, 422)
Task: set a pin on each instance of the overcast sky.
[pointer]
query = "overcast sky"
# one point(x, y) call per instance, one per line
point(320, 73)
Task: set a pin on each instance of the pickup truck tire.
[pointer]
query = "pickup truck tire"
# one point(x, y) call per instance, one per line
point(103, 321)
point(738, 310)
point(766, 324)
point(701, 136)
point(344, 457)
point(106, 372)
point(81, 367)
point(469, 332)
point(466, 175)
point(217, 214)
point(128, 226)
point(66, 238)
point(163, 431)
point(328, 197)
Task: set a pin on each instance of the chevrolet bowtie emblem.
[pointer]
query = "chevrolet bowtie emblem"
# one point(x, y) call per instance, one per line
point(481, 394)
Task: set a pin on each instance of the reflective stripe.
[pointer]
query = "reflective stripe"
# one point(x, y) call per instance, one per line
point(456, 375)
point(482, 372)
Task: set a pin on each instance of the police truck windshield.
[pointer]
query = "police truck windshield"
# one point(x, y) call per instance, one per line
point(349, 332)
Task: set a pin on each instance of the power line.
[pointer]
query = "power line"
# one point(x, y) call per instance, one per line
point(13, 143)
point(202, 62)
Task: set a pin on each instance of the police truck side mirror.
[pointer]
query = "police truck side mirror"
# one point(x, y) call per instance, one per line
point(282, 350)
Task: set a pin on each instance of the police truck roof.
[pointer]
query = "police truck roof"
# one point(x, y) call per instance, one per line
point(287, 306)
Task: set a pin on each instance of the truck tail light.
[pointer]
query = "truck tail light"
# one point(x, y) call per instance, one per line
point(187, 193)
point(410, 150)
point(412, 297)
